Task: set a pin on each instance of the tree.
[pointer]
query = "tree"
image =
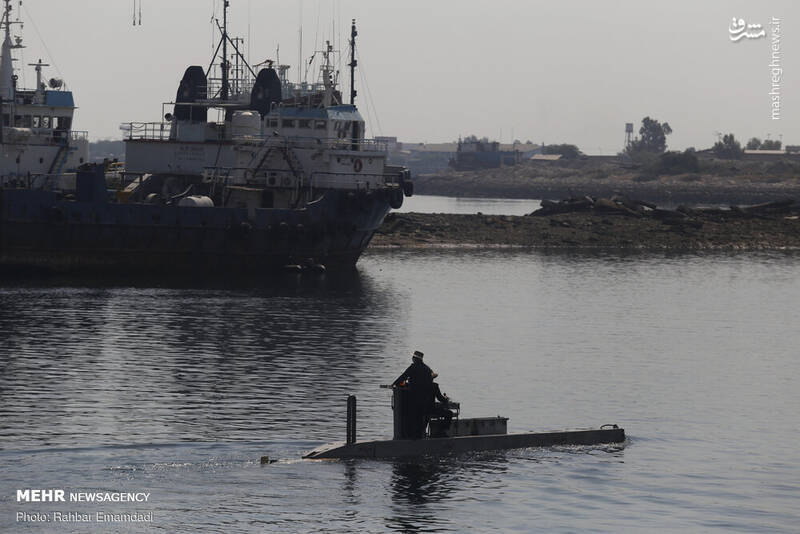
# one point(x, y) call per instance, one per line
point(652, 137)
point(728, 148)
point(771, 145)
point(753, 144)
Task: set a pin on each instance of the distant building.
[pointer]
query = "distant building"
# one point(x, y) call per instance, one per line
point(427, 158)
point(473, 154)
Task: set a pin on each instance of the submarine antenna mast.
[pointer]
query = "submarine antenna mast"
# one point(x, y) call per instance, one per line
point(224, 91)
point(353, 63)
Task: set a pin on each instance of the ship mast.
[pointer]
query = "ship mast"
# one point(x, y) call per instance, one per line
point(353, 63)
point(6, 65)
point(225, 64)
point(328, 76)
point(8, 84)
point(225, 89)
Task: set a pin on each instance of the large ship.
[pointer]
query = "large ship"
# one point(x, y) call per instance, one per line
point(36, 136)
point(246, 172)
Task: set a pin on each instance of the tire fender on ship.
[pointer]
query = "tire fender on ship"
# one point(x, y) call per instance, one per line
point(408, 188)
point(395, 198)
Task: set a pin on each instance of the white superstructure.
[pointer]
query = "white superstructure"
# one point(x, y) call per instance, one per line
point(36, 135)
point(293, 141)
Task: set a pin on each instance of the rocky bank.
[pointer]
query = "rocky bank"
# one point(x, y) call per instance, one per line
point(602, 224)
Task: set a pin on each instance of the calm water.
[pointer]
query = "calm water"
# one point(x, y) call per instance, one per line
point(491, 206)
point(488, 206)
point(179, 390)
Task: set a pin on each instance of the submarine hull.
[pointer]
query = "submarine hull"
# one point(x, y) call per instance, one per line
point(462, 444)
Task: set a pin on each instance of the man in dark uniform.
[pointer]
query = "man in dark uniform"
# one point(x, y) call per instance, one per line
point(419, 379)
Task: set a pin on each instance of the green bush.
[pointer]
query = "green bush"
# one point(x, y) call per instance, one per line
point(678, 163)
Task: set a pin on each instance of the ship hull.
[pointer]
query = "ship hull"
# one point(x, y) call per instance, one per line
point(38, 230)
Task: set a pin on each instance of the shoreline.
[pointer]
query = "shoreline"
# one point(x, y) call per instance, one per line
point(607, 228)
point(718, 182)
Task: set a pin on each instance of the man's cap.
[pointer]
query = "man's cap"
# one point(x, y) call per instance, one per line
point(418, 354)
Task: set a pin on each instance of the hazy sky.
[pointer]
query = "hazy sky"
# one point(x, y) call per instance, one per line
point(566, 71)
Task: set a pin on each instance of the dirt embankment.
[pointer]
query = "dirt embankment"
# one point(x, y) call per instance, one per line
point(608, 225)
point(716, 182)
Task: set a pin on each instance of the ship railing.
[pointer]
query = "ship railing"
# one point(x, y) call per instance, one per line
point(153, 131)
point(44, 182)
point(222, 176)
point(360, 182)
point(160, 131)
point(331, 143)
point(237, 87)
point(45, 136)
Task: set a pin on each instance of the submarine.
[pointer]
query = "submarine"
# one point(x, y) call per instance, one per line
point(461, 435)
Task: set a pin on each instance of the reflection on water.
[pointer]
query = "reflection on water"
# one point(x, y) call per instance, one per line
point(126, 364)
point(487, 206)
point(422, 488)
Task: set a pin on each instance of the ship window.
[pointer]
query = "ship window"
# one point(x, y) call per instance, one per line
point(304, 123)
point(287, 123)
point(36, 122)
point(320, 125)
point(5, 119)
